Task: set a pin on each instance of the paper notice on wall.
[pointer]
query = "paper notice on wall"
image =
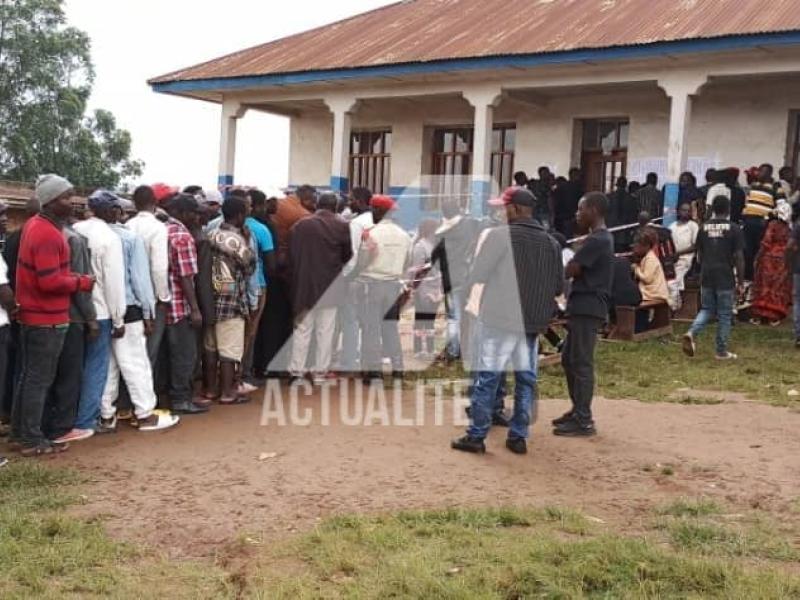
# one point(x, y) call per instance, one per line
point(640, 167)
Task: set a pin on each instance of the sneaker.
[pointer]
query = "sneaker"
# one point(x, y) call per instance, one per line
point(469, 444)
point(517, 445)
point(3, 461)
point(76, 435)
point(107, 425)
point(726, 356)
point(575, 429)
point(246, 388)
point(565, 418)
point(124, 414)
point(689, 346)
point(258, 382)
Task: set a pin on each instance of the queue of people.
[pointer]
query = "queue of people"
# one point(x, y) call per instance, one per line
point(113, 315)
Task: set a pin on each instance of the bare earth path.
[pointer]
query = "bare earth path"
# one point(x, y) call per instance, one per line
point(191, 490)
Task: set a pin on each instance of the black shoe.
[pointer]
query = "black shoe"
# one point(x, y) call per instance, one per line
point(188, 408)
point(565, 418)
point(372, 376)
point(501, 419)
point(469, 444)
point(517, 445)
point(575, 429)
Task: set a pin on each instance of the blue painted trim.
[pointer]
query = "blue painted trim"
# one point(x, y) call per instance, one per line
point(735, 42)
point(225, 180)
point(671, 194)
point(481, 192)
point(340, 184)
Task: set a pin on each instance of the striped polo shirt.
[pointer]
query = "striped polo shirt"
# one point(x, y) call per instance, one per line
point(762, 199)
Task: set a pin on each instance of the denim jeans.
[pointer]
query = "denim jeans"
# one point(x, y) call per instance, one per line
point(454, 307)
point(720, 303)
point(496, 349)
point(797, 306)
point(40, 349)
point(95, 372)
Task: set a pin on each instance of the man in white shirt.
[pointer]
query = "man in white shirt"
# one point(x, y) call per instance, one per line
point(351, 338)
point(385, 252)
point(684, 236)
point(154, 233)
point(108, 296)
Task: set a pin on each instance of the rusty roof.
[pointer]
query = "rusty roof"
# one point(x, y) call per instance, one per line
point(419, 31)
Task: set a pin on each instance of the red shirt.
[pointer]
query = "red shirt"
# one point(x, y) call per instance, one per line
point(44, 280)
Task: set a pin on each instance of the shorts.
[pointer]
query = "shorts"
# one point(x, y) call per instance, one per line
point(230, 339)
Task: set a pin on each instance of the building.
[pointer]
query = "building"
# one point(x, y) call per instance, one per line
point(16, 194)
point(424, 96)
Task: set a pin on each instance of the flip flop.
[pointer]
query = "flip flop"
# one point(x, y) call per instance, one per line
point(43, 449)
point(232, 401)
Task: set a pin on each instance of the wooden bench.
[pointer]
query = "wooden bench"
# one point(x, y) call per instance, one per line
point(625, 328)
point(690, 306)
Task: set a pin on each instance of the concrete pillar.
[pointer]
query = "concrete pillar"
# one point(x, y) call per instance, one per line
point(681, 91)
point(231, 112)
point(484, 101)
point(342, 108)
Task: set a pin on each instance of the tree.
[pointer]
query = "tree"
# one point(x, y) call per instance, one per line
point(46, 76)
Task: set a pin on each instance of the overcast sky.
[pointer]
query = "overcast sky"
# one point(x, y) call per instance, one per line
point(134, 40)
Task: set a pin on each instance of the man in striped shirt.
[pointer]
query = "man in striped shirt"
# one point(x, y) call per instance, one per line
point(761, 202)
point(522, 272)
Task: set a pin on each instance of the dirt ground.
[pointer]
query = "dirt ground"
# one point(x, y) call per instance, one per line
point(190, 490)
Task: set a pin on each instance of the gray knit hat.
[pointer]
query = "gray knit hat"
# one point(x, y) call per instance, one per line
point(49, 187)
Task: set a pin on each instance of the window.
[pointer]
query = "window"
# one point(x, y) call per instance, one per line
point(504, 139)
point(370, 160)
point(604, 155)
point(452, 152)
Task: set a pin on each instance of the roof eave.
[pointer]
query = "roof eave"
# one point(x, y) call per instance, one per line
point(643, 51)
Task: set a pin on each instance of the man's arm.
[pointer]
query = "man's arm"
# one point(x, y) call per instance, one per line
point(140, 279)
point(113, 273)
point(159, 264)
point(81, 264)
point(489, 257)
point(187, 265)
point(50, 278)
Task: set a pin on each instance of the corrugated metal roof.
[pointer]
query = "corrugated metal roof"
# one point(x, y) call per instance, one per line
point(418, 31)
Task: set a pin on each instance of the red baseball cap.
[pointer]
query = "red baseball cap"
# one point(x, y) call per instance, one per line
point(384, 202)
point(514, 195)
point(162, 191)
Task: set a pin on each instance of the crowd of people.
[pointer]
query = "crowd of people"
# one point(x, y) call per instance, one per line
point(114, 313)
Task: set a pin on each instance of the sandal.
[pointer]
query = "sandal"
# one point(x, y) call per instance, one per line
point(163, 420)
point(42, 449)
point(205, 400)
point(235, 400)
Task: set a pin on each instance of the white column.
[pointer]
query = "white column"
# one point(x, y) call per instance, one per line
point(484, 102)
point(231, 112)
point(681, 91)
point(342, 108)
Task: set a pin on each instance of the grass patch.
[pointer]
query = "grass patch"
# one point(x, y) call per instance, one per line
point(690, 508)
point(653, 370)
point(496, 554)
point(44, 553)
point(739, 540)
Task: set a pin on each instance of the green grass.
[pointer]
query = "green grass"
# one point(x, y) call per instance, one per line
point(44, 553)
point(655, 371)
point(498, 554)
point(501, 553)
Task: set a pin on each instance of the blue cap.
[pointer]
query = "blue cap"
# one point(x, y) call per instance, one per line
point(102, 199)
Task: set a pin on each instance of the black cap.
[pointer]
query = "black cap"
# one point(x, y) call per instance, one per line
point(184, 203)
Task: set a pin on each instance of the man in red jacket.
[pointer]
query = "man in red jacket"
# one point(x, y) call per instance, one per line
point(44, 287)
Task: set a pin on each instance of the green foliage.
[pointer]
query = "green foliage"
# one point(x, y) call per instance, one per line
point(46, 77)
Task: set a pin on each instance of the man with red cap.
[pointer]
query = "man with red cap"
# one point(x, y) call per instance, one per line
point(384, 255)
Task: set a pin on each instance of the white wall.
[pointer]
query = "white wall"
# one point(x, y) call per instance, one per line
point(733, 124)
point(311, 137)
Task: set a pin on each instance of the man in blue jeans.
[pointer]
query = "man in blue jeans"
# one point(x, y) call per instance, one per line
point(521, 269)
point(720, 250)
